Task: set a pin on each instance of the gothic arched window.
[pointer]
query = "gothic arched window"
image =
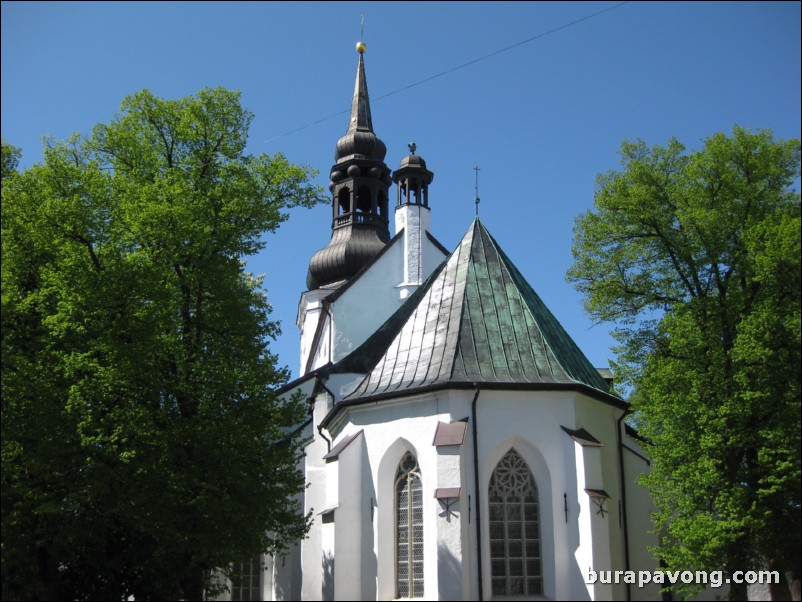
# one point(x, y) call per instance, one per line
point(409, 529)
point(514, 529)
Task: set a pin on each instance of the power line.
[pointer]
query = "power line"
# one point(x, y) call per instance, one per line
point(461, 66)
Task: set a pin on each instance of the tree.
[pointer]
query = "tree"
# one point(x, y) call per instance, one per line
point(696, 258)
point(10, 159)
point(142, 442)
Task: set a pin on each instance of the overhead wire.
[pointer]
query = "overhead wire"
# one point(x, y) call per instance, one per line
point(458, 67)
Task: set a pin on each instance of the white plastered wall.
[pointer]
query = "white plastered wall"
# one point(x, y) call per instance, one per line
point(601, 471)
point(310, 312)
point(390, 430)
point(313, 585)
point(526, 422)
point(421, 256)
point(353, 527)
point(639, 509)
point(530, 422)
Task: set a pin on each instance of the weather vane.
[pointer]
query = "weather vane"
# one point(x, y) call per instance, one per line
point(360, 45)
point(476, 200)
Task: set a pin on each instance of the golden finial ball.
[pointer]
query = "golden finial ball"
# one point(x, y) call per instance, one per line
point(361, 47)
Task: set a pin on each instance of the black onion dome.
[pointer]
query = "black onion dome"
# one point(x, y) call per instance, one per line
point(348, 252)
point(360, 144)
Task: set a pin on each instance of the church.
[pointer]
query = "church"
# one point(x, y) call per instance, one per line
point(461, 446)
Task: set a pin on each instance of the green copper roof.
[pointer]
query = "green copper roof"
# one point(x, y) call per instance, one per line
point(475, 320)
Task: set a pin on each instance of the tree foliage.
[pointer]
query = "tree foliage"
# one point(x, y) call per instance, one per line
point(10, 159)
point(142, 442)
point(696, 258)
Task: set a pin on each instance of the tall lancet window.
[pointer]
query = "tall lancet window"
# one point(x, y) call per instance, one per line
point(514, 529)
point(409, 529)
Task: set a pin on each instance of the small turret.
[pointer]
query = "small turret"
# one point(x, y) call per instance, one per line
point(413, 179)
point(412, 215)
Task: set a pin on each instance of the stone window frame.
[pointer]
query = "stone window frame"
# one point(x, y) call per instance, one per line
point(514, 527)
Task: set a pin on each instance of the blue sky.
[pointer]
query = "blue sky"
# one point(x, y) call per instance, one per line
point(541, 119)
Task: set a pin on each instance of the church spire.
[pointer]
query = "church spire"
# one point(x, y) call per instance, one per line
point(360, 104)
point(360, 140)
point(359, 186)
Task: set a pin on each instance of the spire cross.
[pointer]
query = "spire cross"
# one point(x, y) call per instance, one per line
point(476, 200)
point(362, 27)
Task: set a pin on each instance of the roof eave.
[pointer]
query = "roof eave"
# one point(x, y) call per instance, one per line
point(321, 371)
point(606, 398)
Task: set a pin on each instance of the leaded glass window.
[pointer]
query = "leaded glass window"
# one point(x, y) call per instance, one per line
point(246, 580)
point(514, 529)
point(409, 529)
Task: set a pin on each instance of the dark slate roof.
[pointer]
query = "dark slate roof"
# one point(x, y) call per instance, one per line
point(583, 437)
point(335, 452)
point(450, 434)
point(475, 320)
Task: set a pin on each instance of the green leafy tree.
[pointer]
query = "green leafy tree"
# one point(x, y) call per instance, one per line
point(142, 442)
point(10, 159)
point(696, 258)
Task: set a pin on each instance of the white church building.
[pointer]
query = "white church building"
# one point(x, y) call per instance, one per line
point(461, 446)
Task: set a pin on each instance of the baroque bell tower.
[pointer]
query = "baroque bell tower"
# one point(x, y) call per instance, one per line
point(359, 186)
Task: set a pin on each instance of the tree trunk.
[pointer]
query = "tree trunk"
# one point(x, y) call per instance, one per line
point(789, 583)
point(792, 576)
point(738, 592)
point(193, 584)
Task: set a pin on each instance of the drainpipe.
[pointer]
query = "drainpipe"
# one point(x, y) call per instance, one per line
point(319, 384)
point(326, 439)
point(623, 497)
point(476, 493)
